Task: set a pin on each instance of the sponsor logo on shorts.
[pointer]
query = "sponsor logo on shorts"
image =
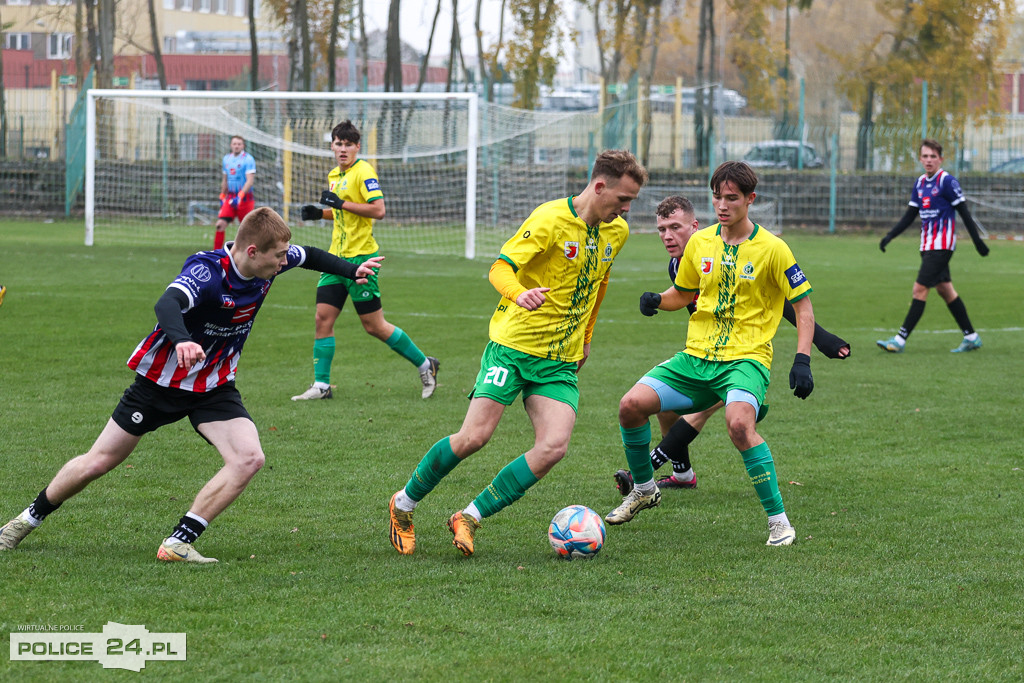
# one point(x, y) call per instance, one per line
point(795, 275)
point(201, 273)
point(571, 250)
point(137, 417)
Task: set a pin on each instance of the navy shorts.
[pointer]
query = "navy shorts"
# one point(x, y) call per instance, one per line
point(146, 406)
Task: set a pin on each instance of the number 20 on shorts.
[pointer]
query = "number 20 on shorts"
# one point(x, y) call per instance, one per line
point(496, 376)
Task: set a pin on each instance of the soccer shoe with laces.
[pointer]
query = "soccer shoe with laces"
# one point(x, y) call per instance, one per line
point(401, 534)
point(890, 345)
point(313, 393)
point(12, 533)
point(967, 345)
point(429, 376)
point(623, 482)
point(181, 552)
point(780, 533)
point(464, 527)
point(670, 482)
point(632, 504)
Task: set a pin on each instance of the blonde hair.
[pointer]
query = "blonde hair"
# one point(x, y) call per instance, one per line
point(264, 228)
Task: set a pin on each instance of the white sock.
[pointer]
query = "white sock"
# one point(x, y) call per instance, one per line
point(645, 488)
point(198, 519)
point(902, 341)
point(973, 336)
point(473, 512)
point(26, 516)
point(425, 365)
point(321, 385)
point(404, 503)
point(781, 517)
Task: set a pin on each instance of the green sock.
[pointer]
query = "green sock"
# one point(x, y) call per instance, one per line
point(400, 343)
point(637, 443)
point(438, 462)
point(508, 486)
point(323, 356)
point(761, 469)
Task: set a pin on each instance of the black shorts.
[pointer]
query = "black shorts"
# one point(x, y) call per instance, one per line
point(934, 267)
point(146, 406)
point(337, 295)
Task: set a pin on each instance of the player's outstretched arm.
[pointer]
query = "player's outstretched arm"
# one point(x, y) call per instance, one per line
point(904, 223)
point(325, 262)
point(972, 228)
point(830, 345)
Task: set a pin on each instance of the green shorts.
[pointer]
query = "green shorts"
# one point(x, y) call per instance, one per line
point(367, 292)
point(707, 382)
point(505, 372)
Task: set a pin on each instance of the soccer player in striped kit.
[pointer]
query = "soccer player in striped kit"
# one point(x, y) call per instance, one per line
point(552, 275)
point(937, 197)
point(238, 170)
point(186, 368)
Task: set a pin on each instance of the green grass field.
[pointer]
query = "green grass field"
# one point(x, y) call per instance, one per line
point(902, 475)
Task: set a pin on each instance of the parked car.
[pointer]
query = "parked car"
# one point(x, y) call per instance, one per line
point(782, 154)
point(1012, 166)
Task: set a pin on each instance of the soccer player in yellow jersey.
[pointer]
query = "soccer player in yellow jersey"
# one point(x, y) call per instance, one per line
point(355, 200)
point(742, 274)
point(552, 275)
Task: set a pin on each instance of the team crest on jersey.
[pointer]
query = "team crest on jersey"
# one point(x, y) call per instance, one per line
point(572, 249)
point(607, 252)
point(706, 263)
point(201, 273)
point(226, 301)
point(795, 275)
point(748, 271)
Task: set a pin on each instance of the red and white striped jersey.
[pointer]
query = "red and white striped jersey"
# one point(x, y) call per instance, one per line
point(935, 199)
point(219, 317)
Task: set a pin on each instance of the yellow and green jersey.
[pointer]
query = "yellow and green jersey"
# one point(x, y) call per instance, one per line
point(741, 289)
point(353, 235)
point(554, 248)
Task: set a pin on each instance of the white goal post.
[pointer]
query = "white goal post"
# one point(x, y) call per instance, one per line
point(458, 175)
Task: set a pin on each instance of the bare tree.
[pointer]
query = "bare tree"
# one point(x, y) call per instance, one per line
point(364, 44)
point(393, 60)
point(332, 46)
point(3, 95)
point(161, 74)
point(426, 55)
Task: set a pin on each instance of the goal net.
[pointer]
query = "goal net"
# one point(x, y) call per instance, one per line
point(458, 175)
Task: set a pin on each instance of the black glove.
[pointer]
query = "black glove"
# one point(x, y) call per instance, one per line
point(981, 247)
point(885, 241)
point(312, 213)
point(800, 380)
point(649, 302)
point(332, 200)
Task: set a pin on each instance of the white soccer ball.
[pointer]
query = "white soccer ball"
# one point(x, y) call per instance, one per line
point(576, 532)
